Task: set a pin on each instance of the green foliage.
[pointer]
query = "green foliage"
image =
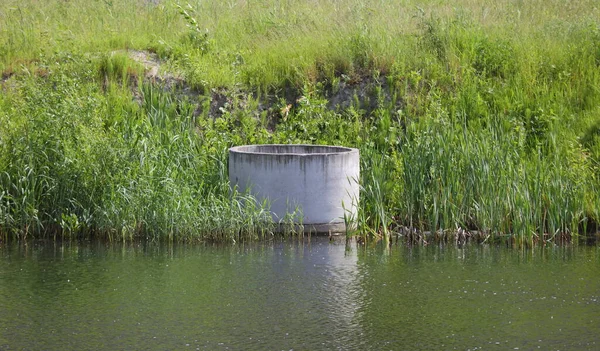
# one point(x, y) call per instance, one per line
point(197, 37)
point(312, 122)
point(76, 166)
point(494, 58)
point(433, 37)
point(118, 67)
point(468, 115)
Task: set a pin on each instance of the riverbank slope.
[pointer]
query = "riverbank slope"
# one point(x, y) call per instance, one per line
point(471, 117)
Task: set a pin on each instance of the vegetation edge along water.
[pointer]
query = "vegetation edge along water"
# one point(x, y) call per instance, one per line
point(474, 119)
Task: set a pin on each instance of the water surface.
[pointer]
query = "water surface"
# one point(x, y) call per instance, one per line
point(297, 295)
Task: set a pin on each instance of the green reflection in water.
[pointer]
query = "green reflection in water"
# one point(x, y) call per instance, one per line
point(297, 295)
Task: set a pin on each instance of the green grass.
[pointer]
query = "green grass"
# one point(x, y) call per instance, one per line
point(468, 114)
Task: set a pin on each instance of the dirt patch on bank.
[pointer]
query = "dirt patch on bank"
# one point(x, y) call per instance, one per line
point(155, 69)
point(365, 91)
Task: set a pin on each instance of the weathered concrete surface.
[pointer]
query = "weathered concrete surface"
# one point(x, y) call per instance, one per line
point(322, 181)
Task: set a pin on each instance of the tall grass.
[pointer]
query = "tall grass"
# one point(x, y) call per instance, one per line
point(89, 162)
point(469, 115)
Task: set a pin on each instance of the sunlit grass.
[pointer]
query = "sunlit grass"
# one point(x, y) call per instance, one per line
point(474, 115)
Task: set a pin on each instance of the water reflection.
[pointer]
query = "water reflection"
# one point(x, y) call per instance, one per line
point(297, 295)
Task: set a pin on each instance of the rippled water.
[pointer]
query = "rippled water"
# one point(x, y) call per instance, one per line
point(299, 296)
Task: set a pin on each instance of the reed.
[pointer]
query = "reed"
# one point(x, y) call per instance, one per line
point(471, 117)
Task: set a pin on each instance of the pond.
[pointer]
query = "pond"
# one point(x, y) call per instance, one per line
point(298, 295)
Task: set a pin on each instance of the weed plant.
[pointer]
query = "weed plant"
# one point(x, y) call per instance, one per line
point(469, 115)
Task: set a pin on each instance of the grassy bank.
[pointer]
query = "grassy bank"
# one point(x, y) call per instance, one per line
point(471, 116)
